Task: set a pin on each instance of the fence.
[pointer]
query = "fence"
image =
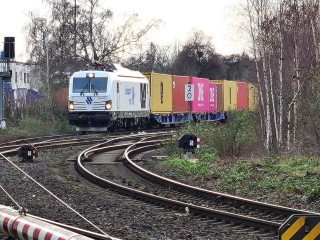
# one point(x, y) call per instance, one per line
point(14, 113)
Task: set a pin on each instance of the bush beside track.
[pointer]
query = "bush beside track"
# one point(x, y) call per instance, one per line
point(284, 180)
point(31, 127)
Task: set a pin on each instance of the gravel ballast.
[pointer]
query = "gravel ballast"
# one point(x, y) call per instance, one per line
point(117, 215)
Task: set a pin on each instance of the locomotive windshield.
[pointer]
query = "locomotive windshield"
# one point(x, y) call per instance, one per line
point(98, 85)
point(86, 85)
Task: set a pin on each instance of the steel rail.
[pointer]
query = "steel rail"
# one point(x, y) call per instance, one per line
point(218, 215)
point(204, 192)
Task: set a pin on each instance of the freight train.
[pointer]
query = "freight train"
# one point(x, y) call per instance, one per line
point(109, 96)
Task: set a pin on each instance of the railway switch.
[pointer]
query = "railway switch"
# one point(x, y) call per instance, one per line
point(28, 153)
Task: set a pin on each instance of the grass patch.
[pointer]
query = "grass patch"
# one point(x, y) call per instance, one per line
point(298, 176)
point(295, 177)
point(202, 168)
point(30, 127)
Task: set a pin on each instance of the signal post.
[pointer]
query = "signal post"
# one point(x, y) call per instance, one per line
point(189, 97)
point(5, 73)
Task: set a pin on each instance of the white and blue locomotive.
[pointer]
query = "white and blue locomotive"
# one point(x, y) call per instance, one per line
point(104, 97)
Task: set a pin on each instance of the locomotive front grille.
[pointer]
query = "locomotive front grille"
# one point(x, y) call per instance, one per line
point(95, 105)
point(99, 105)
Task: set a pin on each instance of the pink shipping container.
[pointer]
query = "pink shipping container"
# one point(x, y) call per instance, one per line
point(200, 104)
point(212, 97)
point(179, 105)
point(242, 95)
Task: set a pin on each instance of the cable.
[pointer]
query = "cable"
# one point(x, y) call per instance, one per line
point(65, 204)
point(10, 197)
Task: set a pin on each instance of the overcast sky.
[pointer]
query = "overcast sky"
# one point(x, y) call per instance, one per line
point(217, 18)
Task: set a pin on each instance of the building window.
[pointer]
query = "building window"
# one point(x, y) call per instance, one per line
point(20, 76)
point(28, 77)
point(25, 78)
point(16, 76)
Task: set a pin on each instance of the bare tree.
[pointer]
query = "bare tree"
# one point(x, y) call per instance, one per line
point(98, 39)
point(284, 38)
point(198, 58)
point(156, 58)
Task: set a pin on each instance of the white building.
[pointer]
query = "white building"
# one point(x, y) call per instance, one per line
point(23, 78)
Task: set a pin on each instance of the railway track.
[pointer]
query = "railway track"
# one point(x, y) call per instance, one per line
point(52, 142)
point(241, 214)
point(11, 148)
point(58, 141)
point(49, 142)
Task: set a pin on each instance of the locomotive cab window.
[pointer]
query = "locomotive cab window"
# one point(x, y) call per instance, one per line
point(98, 85)
point(92, 85)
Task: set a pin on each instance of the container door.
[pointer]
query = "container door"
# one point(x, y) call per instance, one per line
point(179, 105)
point(161, 93)
point(242, 95)
point(200, 104)
point(220, 105)
point(212, 97)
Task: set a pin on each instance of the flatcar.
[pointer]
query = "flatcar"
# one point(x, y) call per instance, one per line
point(107, 96)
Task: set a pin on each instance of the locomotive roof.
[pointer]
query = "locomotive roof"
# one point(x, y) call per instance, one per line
point(119, 70)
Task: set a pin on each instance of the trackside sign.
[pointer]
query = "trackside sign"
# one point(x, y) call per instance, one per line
point(189, 92)
point(300, 227)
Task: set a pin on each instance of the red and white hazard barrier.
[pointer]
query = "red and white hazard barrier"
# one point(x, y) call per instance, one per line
point(26, 228)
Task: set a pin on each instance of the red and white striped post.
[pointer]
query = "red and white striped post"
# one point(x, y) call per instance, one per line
point(26, 228)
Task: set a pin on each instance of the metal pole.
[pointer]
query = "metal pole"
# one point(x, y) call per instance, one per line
point(75, 28)
point(47, 53)
point(189, 111)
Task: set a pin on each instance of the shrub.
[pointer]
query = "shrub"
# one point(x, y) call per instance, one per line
point(171, 146)
point(224, 139)
point(61, 124)
point(32, 126)
point(237, 133)
point(313, 195)
point(27, 127)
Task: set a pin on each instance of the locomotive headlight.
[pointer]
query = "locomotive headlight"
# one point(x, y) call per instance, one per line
point(71, 106)
point(90, 75)
point(108, 105)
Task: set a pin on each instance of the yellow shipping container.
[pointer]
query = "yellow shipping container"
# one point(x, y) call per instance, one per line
point(253, 97)
point(229, 94)
point(161, 92)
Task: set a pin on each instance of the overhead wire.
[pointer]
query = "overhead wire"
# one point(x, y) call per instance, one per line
point(12, 199)
point(52, 194)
